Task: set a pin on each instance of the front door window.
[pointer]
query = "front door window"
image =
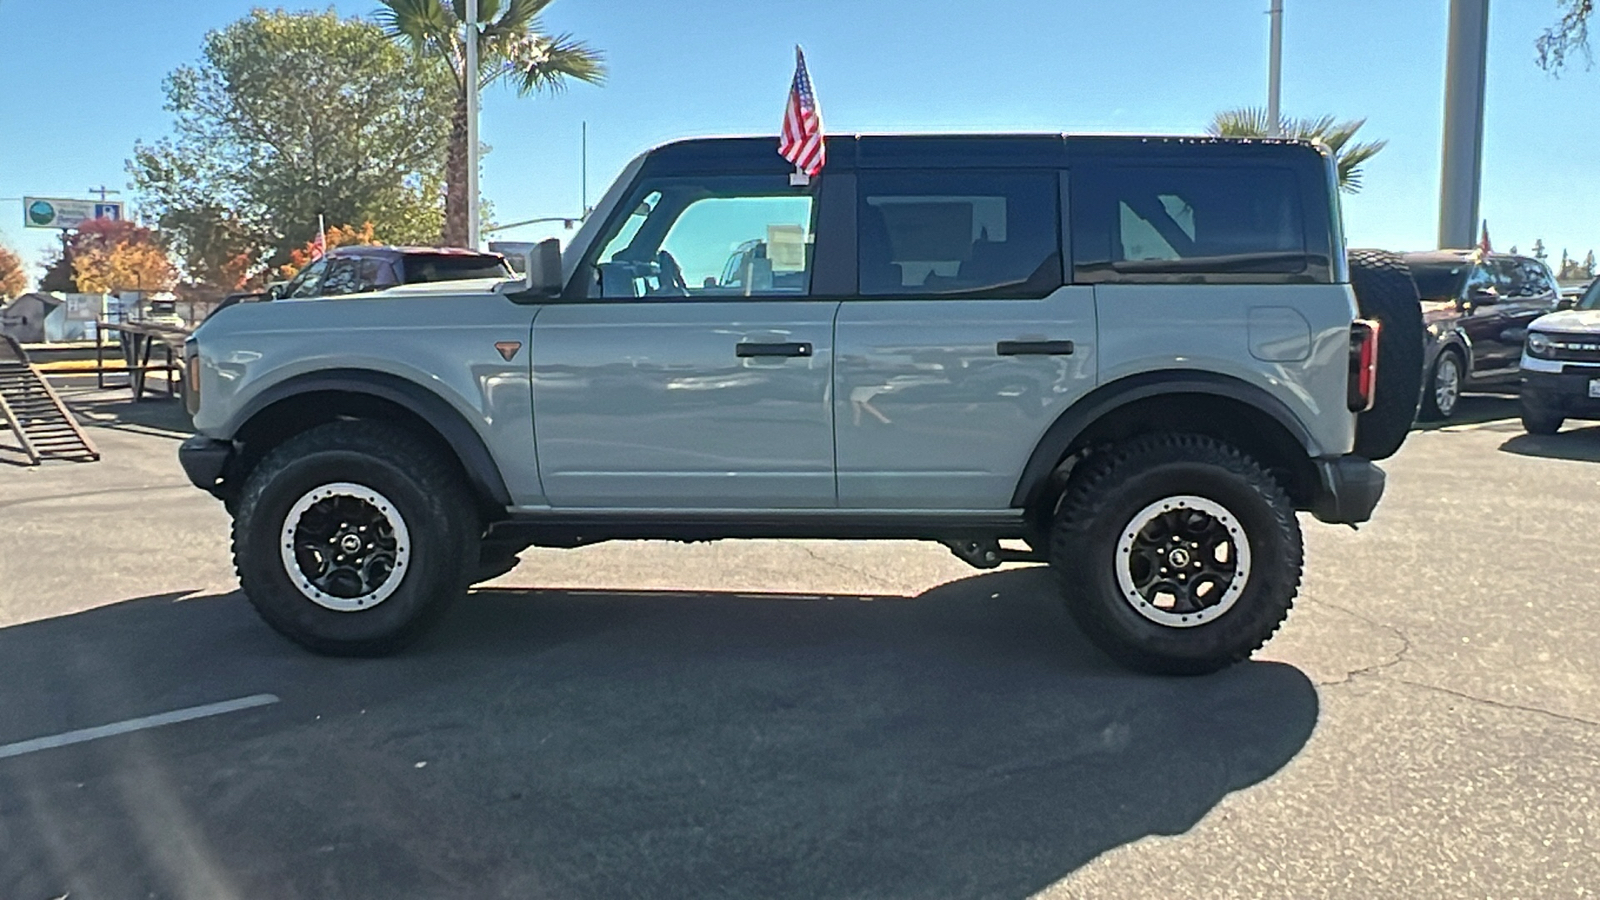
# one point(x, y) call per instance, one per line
point(714, 237)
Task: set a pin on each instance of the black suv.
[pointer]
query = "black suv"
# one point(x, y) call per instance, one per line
point(1477, 307)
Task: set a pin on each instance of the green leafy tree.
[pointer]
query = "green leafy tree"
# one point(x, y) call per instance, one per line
point(285, 116)
point(1339, 136)
point(513, 48)
point(1569, 36)
point(13, 277)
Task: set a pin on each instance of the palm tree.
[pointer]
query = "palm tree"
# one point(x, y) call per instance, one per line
point(512, 47)
point(1250, 121)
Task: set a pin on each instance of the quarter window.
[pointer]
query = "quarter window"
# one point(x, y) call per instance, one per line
point(959, 233)
point(722, 236)
point(1158, 222)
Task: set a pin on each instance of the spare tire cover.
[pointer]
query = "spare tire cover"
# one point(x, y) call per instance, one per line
point(1386, 293)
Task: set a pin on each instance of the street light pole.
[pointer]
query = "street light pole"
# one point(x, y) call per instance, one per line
point(1275, 72)
point(1466, 71)
point(471, 82)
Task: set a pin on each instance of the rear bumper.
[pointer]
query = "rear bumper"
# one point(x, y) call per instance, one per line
point(1349, 489)
point(204, 460)
point(1565, 393)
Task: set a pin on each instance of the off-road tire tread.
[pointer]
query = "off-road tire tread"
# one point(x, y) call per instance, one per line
point(1386, 292)
point(1096, 487)
point(435, 477)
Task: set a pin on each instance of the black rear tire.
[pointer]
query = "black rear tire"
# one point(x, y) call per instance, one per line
point(405, 481)
point(1386, 292)
point(1104, 504)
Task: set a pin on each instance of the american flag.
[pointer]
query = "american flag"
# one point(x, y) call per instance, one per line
point(319, 244)
point(801, 140)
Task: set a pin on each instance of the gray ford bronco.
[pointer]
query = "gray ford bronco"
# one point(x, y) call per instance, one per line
point(1133, 359)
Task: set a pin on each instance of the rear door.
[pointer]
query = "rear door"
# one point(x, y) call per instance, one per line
point(695, 373)
point(962, 344)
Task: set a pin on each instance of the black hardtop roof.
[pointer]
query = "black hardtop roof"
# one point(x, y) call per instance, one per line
point(870, 151)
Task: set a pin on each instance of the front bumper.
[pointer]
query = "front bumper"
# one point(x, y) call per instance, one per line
point(1565, 393)
point(1349, 489)
point(205, 460)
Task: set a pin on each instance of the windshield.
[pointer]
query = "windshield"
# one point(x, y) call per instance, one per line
point(424, 267)
point(1440, 280)
point(1591, 297)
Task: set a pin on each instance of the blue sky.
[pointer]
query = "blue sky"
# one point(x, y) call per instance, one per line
point(74, 98)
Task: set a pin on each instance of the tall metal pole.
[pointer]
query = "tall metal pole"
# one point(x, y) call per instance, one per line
point(471, 81)
point(1275, 72)
point(1462, 171)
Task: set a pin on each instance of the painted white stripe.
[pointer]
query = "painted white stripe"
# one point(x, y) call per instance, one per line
point(156, 721)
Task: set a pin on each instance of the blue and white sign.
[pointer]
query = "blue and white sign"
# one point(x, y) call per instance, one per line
point(50, 212)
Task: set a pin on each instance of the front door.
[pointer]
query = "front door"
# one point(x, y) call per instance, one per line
point(696, 374)
point(963, 345)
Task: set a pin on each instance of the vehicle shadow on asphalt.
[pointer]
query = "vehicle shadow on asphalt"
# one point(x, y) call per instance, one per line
point(1477, 409)
point(1580, 444)
point(965, 743)
point(116, 409)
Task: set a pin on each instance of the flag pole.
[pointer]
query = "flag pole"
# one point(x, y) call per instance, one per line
point(322, 237)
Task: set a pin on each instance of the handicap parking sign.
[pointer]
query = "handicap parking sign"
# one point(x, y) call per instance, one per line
point(111, 211)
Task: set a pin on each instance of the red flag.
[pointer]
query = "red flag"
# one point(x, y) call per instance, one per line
point(1483, 244)
point(801, 139)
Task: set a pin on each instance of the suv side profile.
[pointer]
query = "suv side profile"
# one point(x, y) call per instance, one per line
point(1136, 358)
point(1477, 307)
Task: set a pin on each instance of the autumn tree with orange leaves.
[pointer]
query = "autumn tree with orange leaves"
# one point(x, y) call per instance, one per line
point(110, 256)
point(13, 277)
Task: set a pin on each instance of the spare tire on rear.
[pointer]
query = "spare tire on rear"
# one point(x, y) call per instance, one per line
point(1386, 292)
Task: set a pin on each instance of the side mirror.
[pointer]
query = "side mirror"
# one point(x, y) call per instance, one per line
point(543, 268)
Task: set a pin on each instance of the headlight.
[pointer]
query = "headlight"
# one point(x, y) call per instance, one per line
point(1539, 344)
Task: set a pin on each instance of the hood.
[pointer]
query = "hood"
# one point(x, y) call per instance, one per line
point(1569, 320)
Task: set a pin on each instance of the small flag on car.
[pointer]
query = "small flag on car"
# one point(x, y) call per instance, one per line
point(1484, 244)
point(801, 139)
point(319, 246)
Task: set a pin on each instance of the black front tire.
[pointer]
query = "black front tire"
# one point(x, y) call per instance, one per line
point(1540, 421)
point(417, 483)
point(1104, 500)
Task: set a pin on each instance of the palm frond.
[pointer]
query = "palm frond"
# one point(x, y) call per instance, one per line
point(537, 62)
point(518, 17)
point(1251, 121)
point(419, 23)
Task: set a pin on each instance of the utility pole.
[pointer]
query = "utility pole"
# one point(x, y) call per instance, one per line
point(1466, 71)
point(1275, 72)
point(470, 79)
point(102, 190)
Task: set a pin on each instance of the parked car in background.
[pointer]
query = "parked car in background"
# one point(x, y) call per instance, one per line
point(1561, 366)
point(364, 269)
point(1477, 307)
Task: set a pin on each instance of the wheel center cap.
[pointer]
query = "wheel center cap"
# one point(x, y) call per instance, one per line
point(1178, 557)
point(350, 543)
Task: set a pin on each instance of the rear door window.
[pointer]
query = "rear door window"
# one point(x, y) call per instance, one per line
point(1167, 223)
point(958, 233)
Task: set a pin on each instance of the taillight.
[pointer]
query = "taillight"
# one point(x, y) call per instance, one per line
point(191, 397)
point(1363, 390)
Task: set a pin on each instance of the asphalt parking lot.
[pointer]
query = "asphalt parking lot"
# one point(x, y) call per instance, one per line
point(806, 719)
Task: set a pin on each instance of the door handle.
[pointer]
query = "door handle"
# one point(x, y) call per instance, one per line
point(747, 349)
point(1034, 348)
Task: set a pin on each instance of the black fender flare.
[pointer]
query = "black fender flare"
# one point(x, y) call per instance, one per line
point(1108, 398)
point(483, 475)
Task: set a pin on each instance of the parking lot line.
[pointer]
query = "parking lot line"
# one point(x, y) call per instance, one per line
point(143, 722)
